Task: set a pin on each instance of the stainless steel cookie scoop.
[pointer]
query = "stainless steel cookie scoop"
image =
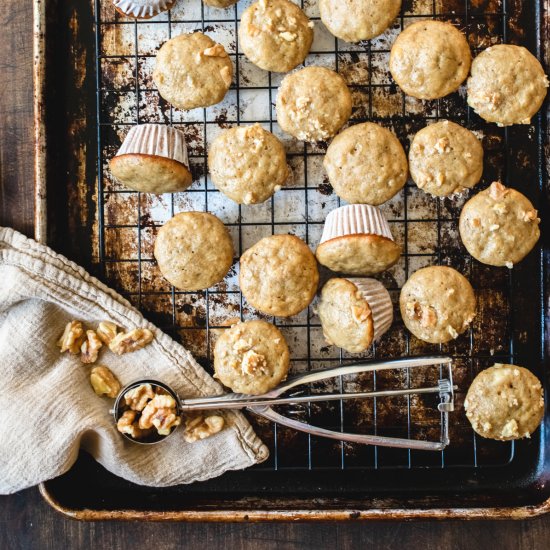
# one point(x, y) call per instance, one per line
point(261, 404)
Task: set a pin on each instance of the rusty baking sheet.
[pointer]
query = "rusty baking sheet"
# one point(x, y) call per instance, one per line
point(93, 81)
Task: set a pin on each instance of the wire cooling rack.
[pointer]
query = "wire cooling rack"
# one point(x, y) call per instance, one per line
point(425, 226)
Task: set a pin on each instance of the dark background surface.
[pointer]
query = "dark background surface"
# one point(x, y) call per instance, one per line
point(26, 521)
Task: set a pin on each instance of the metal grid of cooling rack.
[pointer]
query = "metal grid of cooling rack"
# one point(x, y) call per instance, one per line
point(426, 227)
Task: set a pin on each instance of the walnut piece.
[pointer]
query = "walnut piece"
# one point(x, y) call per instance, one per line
point(360, 313)
point(161, 413)
point(442, 145)
point(90, 347)
point(138, 397)
point(126, 342)
point(199, 427)
point(253, 363)
point(288, 36)
point(127, 425)
point(104, 382)
point(72, 338)
point(497, 191)
point(217, 50)
point(425, 314)
point(106, 331)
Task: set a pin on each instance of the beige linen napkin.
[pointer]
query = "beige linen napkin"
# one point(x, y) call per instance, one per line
point(48, 409)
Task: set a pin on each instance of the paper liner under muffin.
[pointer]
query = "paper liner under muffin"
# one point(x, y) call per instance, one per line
point(155, 139)
point(355, 219)
point(379, 301)
point(142, 9)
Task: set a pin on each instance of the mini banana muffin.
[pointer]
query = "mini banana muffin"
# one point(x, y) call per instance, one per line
point(354, 312)
point(194, 250)
point(445, 159)
point(275, 35)
point(248, 164)
point(437, 304)
point(192, 71)
point(505, 402)
point(279, 275)
point(499, 226)
point(430, 59)
point(142, 9)
point(357, 240)
point(507, 85)
point(251, 357)
point(366, 164)
point(355, 20)
point(153, 159)
point(222, 4)
point(313, 104)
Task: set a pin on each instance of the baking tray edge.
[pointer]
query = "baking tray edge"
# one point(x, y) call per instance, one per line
point(40, 234)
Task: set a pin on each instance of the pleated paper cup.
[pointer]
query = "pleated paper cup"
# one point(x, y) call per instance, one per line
point(355, 219)
point(379, 301)
point(156, 139)
point(142, 9)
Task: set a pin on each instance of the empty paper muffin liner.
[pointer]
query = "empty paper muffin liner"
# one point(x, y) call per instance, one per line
point(143, 9)
point(355, 219)
point(155, 139)
point(379, 301)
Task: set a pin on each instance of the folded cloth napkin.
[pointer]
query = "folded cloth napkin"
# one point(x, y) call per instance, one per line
point(48, 409)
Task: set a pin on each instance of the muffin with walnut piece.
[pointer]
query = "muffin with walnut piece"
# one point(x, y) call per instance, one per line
point(499, 226)
point(191, 70)
point(251, 357)
point(248, 164)
point(507, 85)
point(445, 159)
point(275, 35)
point(354, 312)
point(437, 304)
point(313, 104)
point(505, 402)
point(278, 275)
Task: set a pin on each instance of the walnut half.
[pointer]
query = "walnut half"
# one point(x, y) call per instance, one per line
point(106, 331)
point(138, 397)
point(127, 424)
point(161, 413)
point(126, 342)
point(198, 427)
point(104, 382)
point(72, 338)
point(90, 347)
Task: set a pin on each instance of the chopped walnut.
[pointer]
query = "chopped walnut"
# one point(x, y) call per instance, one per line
point(529, 216)
point(72, 338)
point(361, 313)
point(439, 179)
point(242, 345)
point(90, 347)
point(126, 424)
point(106, 331)
point(494, 227)
point(161, 413)
point(500, 208)
point(217, 50)
point(288, 36)
point(452, 332)
point(126, 342)
point(427, 316)
point(442, 145)
point(138, 397)
point(510, 429)
point(509, 265)
point(311, 24)
point(225, 73)
point(200, 428)
point(253, 363)
point(104, 382)
point(497, 191)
